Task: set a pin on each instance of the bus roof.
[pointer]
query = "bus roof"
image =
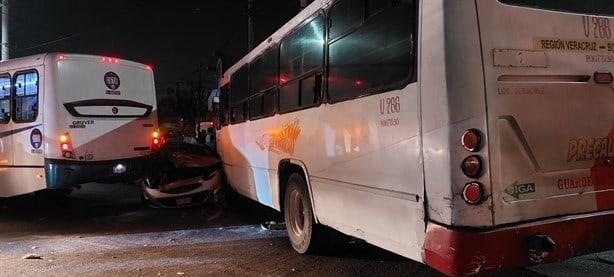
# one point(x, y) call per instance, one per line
point(39, 59)
point(23, 61)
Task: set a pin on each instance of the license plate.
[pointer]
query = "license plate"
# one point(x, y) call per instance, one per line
point(183, 201)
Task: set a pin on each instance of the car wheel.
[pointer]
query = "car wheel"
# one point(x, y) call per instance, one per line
point(304, 234)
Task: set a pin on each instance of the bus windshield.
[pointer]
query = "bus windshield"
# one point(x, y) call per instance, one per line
point(594, 7)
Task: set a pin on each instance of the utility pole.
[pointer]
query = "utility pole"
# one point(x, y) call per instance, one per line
point(303, 4)
point(250, 23)
point(4, 47)
point(199, 89)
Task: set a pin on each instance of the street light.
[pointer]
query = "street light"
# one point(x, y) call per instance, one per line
point(4, 47)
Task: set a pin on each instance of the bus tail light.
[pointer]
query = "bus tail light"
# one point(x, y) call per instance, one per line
point(472, 140)
point(472, 166)
point(473, 193)
point(66, 145)
point(156, 141)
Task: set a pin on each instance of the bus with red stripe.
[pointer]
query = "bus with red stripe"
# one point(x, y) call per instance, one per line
point(468, 135)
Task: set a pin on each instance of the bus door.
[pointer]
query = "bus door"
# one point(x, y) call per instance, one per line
point(21, 134)
point(6, 154)
point(548, 70)
point(26, 121)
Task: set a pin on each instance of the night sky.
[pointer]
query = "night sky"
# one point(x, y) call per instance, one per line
point(173, 36)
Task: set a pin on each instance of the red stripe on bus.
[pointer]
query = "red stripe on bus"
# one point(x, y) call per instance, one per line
point(456, 252)
point(602, 175)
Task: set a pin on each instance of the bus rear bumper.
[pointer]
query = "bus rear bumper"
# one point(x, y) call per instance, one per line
point(63, 174)
point(459, 252)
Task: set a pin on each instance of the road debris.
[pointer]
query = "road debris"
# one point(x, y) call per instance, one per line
point(31, 256)
point(272, 225)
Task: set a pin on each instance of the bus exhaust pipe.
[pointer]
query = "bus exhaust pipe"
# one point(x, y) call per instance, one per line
point(539, 246)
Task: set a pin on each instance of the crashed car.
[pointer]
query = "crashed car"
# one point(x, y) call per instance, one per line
point(185, 173)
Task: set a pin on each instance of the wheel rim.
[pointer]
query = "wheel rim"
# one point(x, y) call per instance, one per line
point(297, 214)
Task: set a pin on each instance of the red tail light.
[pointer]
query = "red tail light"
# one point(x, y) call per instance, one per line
point(156, 141)
point(66, 145)
point(473, 193)
point(471, 140)
point(109, 60)
point(472, 166)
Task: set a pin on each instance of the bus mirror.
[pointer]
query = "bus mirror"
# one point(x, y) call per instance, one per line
point(211, 100)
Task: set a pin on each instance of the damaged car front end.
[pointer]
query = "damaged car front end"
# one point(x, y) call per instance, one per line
point(186, 173)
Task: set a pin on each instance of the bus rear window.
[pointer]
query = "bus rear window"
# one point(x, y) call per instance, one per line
point(593, 7)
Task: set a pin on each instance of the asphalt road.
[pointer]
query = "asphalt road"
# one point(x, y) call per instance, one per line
point(103, 230)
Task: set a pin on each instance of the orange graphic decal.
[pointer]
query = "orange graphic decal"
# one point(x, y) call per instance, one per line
point(281, 140)
point(602, 174)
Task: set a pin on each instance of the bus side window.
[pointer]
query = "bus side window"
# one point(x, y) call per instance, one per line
point(311, 88)
point(239, 95)
point(26, 97)
point(255, 107)
point(346, 15)
point(301, 57)
point(361, 67)
point(224, 106)
point(262, 84)
point(289, 97)
point(238, 113)
point(269, 102)
point(5, 98)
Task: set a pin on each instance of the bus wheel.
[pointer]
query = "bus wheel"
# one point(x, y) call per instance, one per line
point(303, 232)
point(53, 194)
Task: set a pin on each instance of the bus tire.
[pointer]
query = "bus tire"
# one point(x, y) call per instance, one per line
point(303, 232)
point(53, 194)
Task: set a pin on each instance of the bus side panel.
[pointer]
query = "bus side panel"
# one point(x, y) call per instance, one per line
point(363, 165)
point(250, 170)
point(371, 175)
point(452, 101)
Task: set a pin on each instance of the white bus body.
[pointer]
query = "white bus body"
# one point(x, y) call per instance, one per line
point(493, 149)
point(69, 119)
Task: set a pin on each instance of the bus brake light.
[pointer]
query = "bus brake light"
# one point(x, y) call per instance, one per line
point(471, 140)
point(156, 141)
point(473, 193)
point(66, 145)
point(472, 166)
point(109, 60)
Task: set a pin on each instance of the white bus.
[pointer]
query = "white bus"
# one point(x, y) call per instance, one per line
point(469, 135)
point(69, 119)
